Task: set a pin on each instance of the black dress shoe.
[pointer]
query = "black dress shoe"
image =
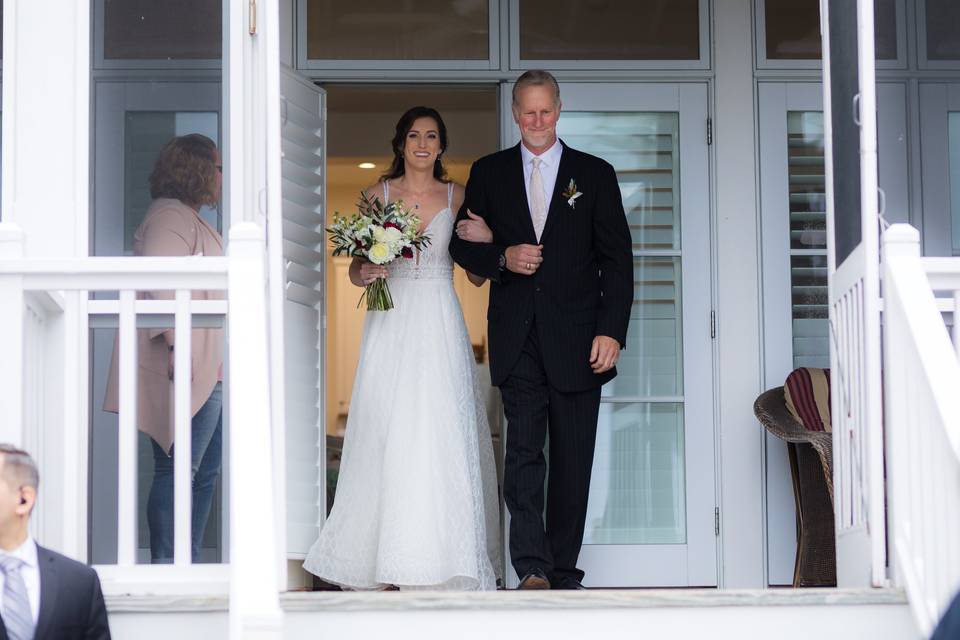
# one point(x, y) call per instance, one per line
point(535, 579)
point(569, 583)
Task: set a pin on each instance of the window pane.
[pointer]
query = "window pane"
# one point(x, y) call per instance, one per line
point(145, 132)
point(808, 237)
point(943, 34)
point(168, 30)
point(398, 30)
point(793, 29)
point(644, 148)
point(808, 289)
point(609, 30)
point(644, 151)
point(954, 142)
point(808, 214)
point(637, 491)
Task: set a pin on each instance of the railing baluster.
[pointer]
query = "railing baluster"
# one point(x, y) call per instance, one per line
point(182, 445)
point(127, 437)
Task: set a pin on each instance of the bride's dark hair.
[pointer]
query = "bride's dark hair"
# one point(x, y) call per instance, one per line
point(404, 124)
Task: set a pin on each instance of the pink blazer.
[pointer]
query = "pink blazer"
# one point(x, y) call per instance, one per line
point(170, 228)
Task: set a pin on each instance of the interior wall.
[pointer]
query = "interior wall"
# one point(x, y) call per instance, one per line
point(361, 122)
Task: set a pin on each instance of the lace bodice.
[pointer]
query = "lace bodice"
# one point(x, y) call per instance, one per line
point(434, 261)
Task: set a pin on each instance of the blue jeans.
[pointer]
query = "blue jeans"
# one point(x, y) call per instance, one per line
point(206, 453)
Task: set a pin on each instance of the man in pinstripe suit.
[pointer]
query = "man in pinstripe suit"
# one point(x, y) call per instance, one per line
point(554, 241)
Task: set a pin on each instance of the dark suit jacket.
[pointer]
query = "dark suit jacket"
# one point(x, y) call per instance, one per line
point(71, 603)
point(584, 287)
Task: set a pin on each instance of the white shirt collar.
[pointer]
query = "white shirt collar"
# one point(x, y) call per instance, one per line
point(26, 552)
point(550, 157)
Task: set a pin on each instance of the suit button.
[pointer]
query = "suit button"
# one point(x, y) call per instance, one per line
point(538, 289)
point(526, 322)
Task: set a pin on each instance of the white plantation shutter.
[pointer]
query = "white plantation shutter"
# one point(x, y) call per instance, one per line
point(300, 303)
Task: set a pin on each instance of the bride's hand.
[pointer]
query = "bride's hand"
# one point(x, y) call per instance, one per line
point(474, 229)
point(370, 272)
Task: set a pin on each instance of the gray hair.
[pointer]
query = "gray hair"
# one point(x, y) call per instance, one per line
point(18, 468)
point(536, 78)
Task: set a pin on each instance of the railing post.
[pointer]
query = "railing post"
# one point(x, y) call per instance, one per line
point(11, 328)
point(254, 597)
point(900, 240)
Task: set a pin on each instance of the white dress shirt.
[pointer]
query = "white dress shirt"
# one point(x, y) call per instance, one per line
point(549, 165)
point(30, 572)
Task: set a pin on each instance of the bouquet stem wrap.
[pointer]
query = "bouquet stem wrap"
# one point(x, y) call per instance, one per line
point(378, 296)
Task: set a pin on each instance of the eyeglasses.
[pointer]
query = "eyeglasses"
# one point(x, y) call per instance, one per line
point(219, 167)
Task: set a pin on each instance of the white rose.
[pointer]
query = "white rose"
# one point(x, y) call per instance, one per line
point(380, 253)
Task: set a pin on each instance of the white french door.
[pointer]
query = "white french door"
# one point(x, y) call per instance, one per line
point(651, 515)
point(794, 251)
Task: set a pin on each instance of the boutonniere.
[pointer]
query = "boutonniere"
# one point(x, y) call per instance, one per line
point(571, 194)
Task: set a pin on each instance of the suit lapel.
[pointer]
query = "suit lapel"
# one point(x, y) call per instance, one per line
point(519, 189)
point(557, 201)
point(49, 583)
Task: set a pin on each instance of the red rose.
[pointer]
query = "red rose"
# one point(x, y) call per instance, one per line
point(387, 225)
point(406, 252)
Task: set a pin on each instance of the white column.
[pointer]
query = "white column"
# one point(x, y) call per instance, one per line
point(254, 593)
point(11, 328)
point(46, 124)
point(738, 313)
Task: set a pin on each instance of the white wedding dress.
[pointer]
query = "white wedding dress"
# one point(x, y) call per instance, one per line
point(416, 504)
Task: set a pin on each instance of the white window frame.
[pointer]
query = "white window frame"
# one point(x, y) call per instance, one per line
point(490, 63)
point(922, 61)
point(99, 62)
point(765, 62)
point(520, 64)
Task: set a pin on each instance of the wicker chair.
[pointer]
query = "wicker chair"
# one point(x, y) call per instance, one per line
point(811, 467)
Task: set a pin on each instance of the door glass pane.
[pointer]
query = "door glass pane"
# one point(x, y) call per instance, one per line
point(637, 492)
point(792, 29)
point(644, 150)
point(953, 124)
point(637, 489)
point(808, 229)
point(398, 30)
point(609, 30)
point(145, 132)
point(168, 30)
point(943, 29)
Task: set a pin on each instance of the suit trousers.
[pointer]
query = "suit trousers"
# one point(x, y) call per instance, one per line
point(533, 410)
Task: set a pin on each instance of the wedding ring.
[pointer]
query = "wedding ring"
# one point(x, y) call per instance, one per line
point(529, 266)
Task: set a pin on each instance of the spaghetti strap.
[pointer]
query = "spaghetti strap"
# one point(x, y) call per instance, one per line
point(386, 192)
point(449, 195)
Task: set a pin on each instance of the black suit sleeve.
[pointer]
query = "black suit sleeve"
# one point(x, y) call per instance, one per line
point(482, 259)
point(614, 250)
point(97, 626)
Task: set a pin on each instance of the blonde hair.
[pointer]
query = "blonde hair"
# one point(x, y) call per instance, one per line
point(536, 78)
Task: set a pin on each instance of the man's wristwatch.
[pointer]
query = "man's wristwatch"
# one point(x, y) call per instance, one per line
point(503, 262)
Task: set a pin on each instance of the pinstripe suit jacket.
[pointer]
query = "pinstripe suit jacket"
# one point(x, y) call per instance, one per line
point(584, 287)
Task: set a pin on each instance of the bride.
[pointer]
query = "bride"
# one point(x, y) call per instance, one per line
point(416, 504)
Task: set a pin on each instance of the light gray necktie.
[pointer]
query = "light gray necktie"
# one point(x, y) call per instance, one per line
point(17, 616)
point(538, 201)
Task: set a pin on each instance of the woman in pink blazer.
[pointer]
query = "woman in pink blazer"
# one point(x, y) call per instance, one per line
point(186, 176)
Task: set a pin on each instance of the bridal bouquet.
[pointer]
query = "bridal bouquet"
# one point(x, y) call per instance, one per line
point(379, 234)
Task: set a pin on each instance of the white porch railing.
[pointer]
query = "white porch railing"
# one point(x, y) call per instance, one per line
point(922, 422)
point(44, 311)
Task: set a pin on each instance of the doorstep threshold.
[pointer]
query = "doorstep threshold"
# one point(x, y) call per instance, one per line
point(587, 599)
point(356, 601)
